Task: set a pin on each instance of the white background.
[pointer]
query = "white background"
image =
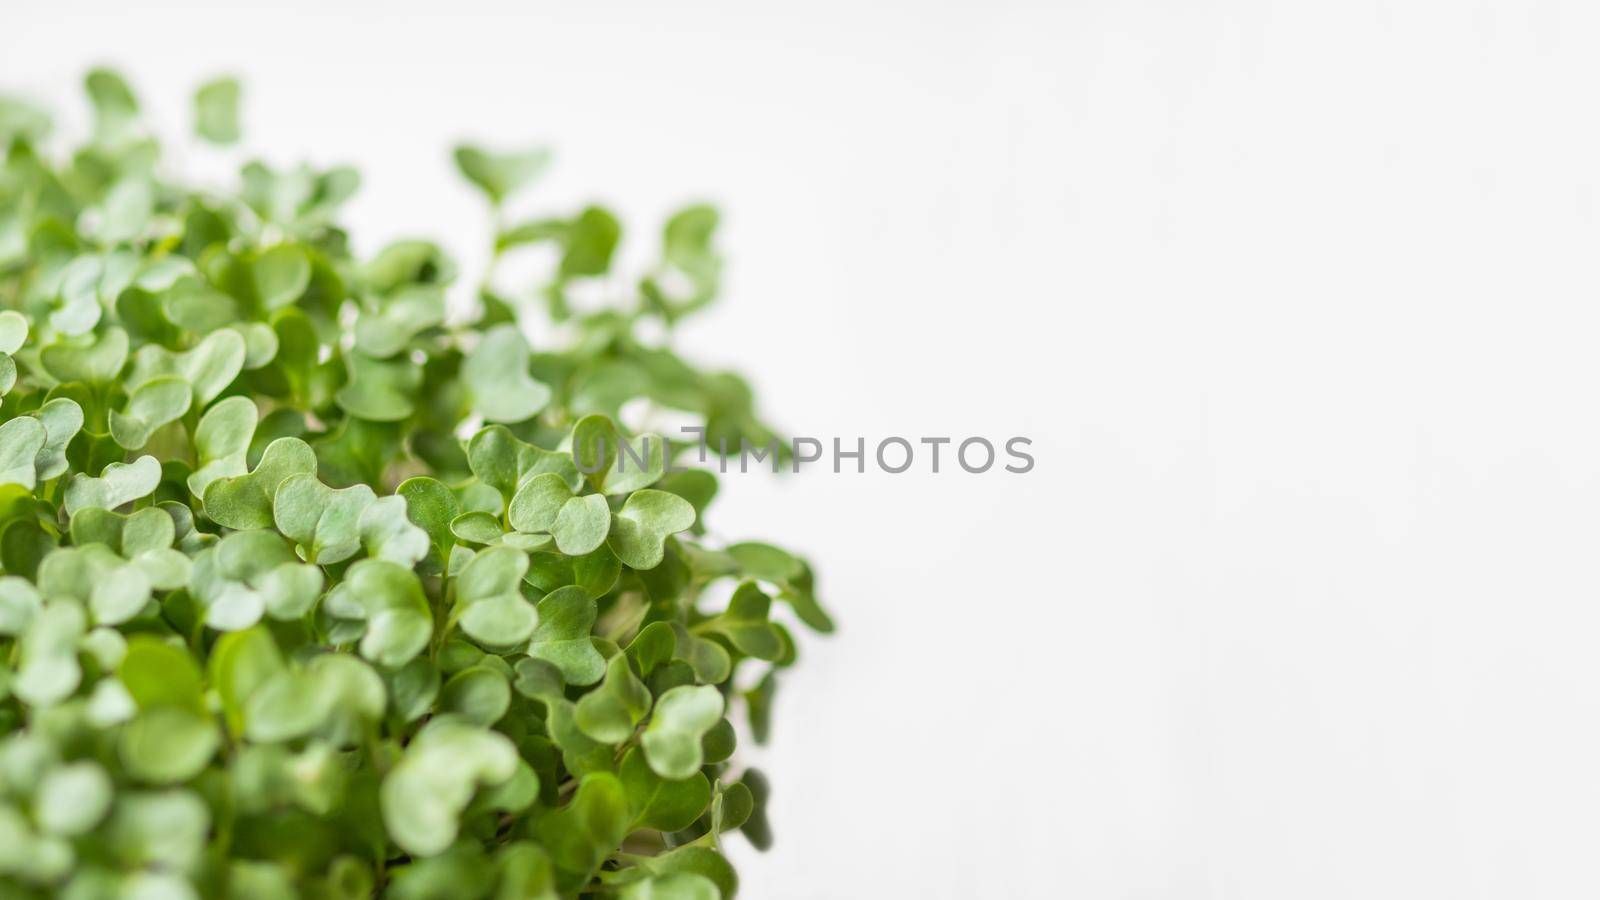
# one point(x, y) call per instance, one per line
point(1296, 299)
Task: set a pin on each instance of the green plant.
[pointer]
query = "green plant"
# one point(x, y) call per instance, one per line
point(317, 586)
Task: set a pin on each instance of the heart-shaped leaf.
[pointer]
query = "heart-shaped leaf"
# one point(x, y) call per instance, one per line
point(390, 328)
point(62, 419)
point(249, 574)
point(682, 716)
point(21, 441)
point(221, 441)
point(387, 533)
point(118, 483)
point(152, 404)
point(545, 503)
point(489, 604)
point(640, 529)
point(496, 372)
point(423, 796)
point(245, 501)
point(562, 636)
point(398, 620)
point(658, 803)
point(93, 359)
point(609, 713)
point(380, 390)
point(325, 522)
point(505, 463)
point(500, 174)
point(744, 623)
point(208, 368)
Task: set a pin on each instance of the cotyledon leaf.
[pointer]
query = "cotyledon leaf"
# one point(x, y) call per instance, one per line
point(152, 404)
point(118, 483)
point(21, 441)
point(489, 604)
point(324, 521)
point(245, 501)
point(647, 518)
point(220, 442)
point(496, 372)
point(561, 638)
point(208, 368)
point(63, 419)
point(387, 533)
point(682, 716)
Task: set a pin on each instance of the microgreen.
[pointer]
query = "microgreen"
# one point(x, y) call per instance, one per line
point(316, 582)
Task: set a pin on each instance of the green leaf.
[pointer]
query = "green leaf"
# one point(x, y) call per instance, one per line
point(431, 506)
point(118, 483)
point(160, 828)
point(639, 530)
point(744, 623)
point(476, 528)
point(480, 695)
point(413, 688)
point(609, 713)
point(425, 793)
point(499, 175)
point(167, 745)
point(412, 310)
point(387, 533)
point(48, 670)
point(505, 463)
point(73, 798)
point(93, 358)
point(13, 331)
point(151, 405)
point(21, 441)
point(682, 716)
point(496, 372)
point(591, 239)
point(582, 834)
point(673, 886)
point(325, 522)
point(537, 679)
point(398, 621)
point(766, 562)
point(251, 573)
point(115, 107)
point(693, 859)
point(658, 803)
point(280, 275)
point(380, 390)
point(582, 525)
point(565, 617)
point(221, 441)
point(19, 603)
point(62, 419)
point(245, 501)
point(651, 647)
point(489, 604)
point(240, 663)
point(159, 674)
point(216, 111)
point(755, 825)
point(208, 368)
point(538, 502)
